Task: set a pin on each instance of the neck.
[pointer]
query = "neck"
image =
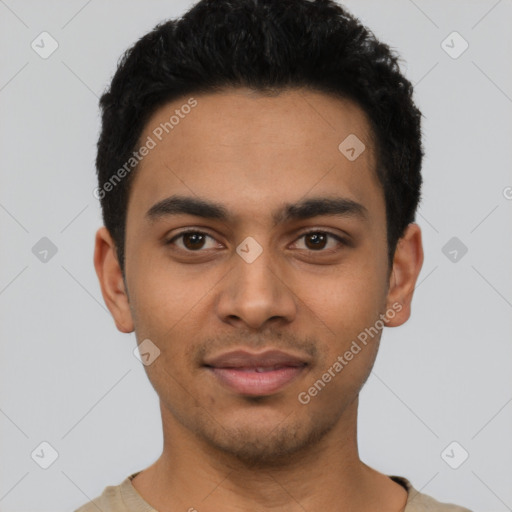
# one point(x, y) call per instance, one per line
point(191, 474)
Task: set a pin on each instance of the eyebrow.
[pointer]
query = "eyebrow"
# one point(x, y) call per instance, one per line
point(305, 209)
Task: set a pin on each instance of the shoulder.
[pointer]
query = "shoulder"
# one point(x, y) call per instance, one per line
point(118, 498)
point(423, 502)
point(419, 502)
point(110, 500)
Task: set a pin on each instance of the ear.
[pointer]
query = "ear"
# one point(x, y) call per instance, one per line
point(407, 263)
point(111, 280)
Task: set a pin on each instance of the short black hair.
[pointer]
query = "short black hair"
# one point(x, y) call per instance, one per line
point(268, 46)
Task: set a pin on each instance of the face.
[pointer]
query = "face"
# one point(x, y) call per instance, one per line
point(256, 258)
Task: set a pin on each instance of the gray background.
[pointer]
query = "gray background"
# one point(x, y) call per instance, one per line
point(69, 378)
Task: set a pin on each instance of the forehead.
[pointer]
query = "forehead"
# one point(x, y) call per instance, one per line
point(242, 147)
point(236, 117)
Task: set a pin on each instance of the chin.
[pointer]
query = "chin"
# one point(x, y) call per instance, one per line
point(256, 444)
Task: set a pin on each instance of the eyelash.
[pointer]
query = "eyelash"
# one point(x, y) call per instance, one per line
point(316, 231)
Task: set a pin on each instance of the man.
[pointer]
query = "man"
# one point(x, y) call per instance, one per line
point(259, 172)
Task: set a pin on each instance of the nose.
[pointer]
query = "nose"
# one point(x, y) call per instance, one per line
point(256, 293)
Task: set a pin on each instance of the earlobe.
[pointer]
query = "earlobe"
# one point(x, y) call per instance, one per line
point(111, 280)
point(407, 263)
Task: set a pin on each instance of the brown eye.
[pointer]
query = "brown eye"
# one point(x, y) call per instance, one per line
point(191, 240)
point(318, 240)
point(315, 240)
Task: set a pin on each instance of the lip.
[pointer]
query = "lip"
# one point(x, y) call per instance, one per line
point(256, 374)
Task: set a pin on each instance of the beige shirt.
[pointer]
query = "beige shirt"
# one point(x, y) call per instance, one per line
point(125, 498)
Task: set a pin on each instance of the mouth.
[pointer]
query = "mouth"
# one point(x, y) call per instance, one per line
point(261, 374)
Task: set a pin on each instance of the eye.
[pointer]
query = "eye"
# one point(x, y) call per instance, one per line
point(192, 240)
point(317, 240)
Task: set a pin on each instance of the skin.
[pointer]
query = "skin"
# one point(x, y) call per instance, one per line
point(252, 153)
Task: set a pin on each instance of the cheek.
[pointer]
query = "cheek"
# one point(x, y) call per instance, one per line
point(346, 301)
point(164, 295)
point(345, 312)
point(173, 311)
point(348, 356)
